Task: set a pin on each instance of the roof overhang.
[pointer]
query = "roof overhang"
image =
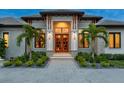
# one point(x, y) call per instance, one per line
point(61, 12)
point(2, 25)
point(31, 18)
point(91, 18)
point(110, 25)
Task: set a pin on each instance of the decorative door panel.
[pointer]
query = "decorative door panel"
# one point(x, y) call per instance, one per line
point(58, 43)
point(61, 42)
point(65, 41)
point(61, 39)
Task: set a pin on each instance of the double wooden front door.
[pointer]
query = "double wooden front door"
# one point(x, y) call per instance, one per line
point(61, 42)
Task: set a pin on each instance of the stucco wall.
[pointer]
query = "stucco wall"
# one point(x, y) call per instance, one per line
point(38, 24)
point(84, 23)
point(13, 50)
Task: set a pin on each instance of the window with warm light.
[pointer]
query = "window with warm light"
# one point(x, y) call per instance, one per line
point(40, 40)
point(82, 41)
point(6, 38)
point(114, 40)
point(61, 30)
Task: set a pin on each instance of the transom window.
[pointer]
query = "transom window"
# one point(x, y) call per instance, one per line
point(82, 41)
point(40, 40)
point(61, 30)
point(6, 38)
point(114, 40)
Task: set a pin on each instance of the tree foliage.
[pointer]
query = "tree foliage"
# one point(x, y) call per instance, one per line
point(93, 33)
point(28, 35)
point(2, 47)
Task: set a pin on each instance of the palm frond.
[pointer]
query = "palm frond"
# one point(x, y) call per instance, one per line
point(102, 30)
point(20, 38)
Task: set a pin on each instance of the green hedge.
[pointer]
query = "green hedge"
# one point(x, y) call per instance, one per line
point(114, 56)
point(117, 64)
point(87, 56)
point(38, 59)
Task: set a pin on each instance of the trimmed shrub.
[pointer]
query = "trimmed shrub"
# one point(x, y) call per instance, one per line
point(82, 62)
point(87, 56)
point(18, 63)
point(117, 64)
point(105, 64)
point(93, 64)
point(45, 58)
point(114, 56)
point(24, 58)
point(91, 60)
point(40, 62)
point(79, 58)
point(100, 58)
point(7, 63)
point(37, 55)
point(29, 63)
point(2, 47)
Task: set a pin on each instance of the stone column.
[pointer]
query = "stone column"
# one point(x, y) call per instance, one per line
point(74, 33)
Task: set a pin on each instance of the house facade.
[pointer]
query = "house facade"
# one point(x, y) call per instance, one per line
point(60, 32)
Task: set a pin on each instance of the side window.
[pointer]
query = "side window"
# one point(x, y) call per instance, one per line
point(114, 40)
point(40, 41)
point(82, 42)
point(6, 38)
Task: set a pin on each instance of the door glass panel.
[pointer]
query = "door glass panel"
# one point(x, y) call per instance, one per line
point(65, 43)
point(58, 47)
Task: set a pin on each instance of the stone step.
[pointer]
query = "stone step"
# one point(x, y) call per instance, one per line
point(61, 57)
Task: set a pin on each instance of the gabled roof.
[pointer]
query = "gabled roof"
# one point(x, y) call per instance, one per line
point(10, 21)
point(61, 11)
point(110, 23)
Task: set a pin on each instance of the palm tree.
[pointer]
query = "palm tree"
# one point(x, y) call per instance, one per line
point(28, 35)
point(93, 33)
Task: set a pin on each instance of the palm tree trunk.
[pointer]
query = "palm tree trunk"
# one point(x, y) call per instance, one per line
point(93, 49)
point(30, 50)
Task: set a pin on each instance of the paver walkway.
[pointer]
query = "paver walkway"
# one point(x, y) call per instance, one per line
point(61, 71)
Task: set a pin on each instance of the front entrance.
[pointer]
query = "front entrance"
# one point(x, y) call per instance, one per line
point(61, 34)
point(61, 42)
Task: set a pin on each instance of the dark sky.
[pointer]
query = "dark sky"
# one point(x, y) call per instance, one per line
point(114, 14)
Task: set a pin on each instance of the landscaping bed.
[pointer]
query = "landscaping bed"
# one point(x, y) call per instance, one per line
point(39, 59)
point(102, 61)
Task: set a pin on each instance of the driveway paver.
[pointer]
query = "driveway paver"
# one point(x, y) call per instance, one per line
point(61, 71)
